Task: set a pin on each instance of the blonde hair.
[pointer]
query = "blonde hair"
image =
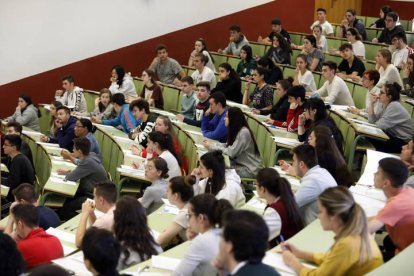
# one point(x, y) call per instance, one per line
point(338, 201)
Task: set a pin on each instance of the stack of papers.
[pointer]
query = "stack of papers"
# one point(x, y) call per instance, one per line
point(166, 263)
point(130, 170)
point(48, 144)
point(287, 141)
point(62, 235)
point(276, 260)
point(58, 180)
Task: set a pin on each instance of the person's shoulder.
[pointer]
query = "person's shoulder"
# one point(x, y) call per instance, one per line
point(258, 269)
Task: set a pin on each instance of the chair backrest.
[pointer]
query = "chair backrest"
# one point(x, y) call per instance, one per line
point(139, 85)
point(171, 96)
point(359, 96)
point(288, 71)
point(90, 97)
point(296, 38)
point(234, 61)
point(218, 58)
point(257, 48)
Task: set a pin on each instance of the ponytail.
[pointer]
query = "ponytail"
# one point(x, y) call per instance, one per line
point(214, 209)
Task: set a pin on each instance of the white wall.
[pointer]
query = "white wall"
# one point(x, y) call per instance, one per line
point(40, 35)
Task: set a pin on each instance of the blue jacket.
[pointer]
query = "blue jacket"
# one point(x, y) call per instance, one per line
point(215, 128)
point(65, 135)
point(124, 118)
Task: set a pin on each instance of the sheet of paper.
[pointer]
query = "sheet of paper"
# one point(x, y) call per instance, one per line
point(48, 144)
point(286, 141)
point(339, 107)
point(62, 181)
point(373, 157)
point(276, 260)
point(194, 132)
point(68, 249)
point(31, 132)
point(74, 263)
point(56, 175)
point(61, 235)
point(166, 263)
point(370, 206)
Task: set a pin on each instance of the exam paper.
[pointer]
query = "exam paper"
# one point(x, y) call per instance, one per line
point(166, 263)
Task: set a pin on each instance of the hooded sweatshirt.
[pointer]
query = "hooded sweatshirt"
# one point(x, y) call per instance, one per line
point(28, 117)
point(74, 100)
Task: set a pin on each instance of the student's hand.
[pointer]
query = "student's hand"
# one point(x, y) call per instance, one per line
point(13, 205)
point(284, 165)
point(190, 234)
point(269, 121)
point(374, 97)
point(151, 102)
point(341, 75)
point(113, 79)
point(406, 70)
point(344, 22)
point(44, 139)
point(196, 172)
point(87, 207)
point(136, 165)
point(155, 60)
point(301, 119)
point(207, 113)
point(291, 248)
point(353, 110)
point(206, 144)
point(65, 154)
point(180, 117)
point(96, 120)
point(260, 39)
point(288, 258)
point(177, 82)
point(62, 171)
point(59, 93)
point(375, 40)
point(293, 105)
point(135, 150)
point(218, 264)
point(357, 79)
point(255, 111)
point(220, 51)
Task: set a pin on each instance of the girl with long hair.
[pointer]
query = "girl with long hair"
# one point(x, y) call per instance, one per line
point(408, 77)
point(280, 51)
point(229, 84)
point(122, 82)
point(388, 72)
point(26, 114)
point(151, 90)
point(303, 76)
point(200, 46)
point(54, 123)
point(262, 96)
point(247, 63)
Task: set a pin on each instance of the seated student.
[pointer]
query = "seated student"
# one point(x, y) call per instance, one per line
point(280, 51)
point(303, 76)
point(314, 180)
point(132, 231)
point(262, 96)
point(179, 192)
point(408, 77)
point(105, 196)
point(66, 133)
point(394, 120)
point(276, 29)
point(296, 98)
point(205, 214)
point(400, 50)
point(72, 96)
point(88, 171)
point(26, 114)
point(122, 82)
point(247, 63)
point(12, 262)
point(243, 245)
point(98, 259)
point(202, 72)
point(54, 123)
point(17, 129)
point(141, 111)
point(391, 28)
point(217, 180)
point(273, 73)
point(380, 22)
point(202, 105)
point(104, 108)
point(397, 215)
point(229, 84)
point(156, 171)
point(281, 214)
point(25, 194)
point(407, 156)
point(151, 91)
point(241, 146)
point(351, 65)
point(200, 46)
point(354, 38)
point(215, 127)
point(334, 88)
point(320, 38)
point(167, 69)
point(327, 29)
point(353, 252)
point(349, 21)
point(188, 99)
point(280, 110)
point(36, 246)
point(237, 41)
point(20, 168)
point(369, 80)
point(314, 56)
point(388, 72)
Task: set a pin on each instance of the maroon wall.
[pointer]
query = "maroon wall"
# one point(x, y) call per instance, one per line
point(93, 73)
point(372, 8)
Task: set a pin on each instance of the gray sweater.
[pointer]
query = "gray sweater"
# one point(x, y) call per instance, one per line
point(152, 198)
point(27, 118)
point(395, 121)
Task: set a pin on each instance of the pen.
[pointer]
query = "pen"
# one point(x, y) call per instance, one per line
point(282, 240)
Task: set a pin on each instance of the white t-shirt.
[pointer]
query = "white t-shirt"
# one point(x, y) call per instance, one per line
point(206, 75)
point(323, 44)
point(273, 221)
point(172, 163)
point(390, 75)
point(181, 220)
point(338, 92)
point(326, 27)
point(399, 56)
point(307, 81)
point(359, 49)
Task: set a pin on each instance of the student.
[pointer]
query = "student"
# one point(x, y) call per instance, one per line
point(243, 245)
point(394, 120)
point(200, 46)
point(407, 156)
point(36, 246)
point(241, 146)
point(203, 104)
point(400, 50)
point(141, 111)
point(215, 127)
point(104, 200)
point(20, 168)
point(327, 29)
point(314, 180)
point(280, 110)
point(353, 252)
point(247, 63)
point(167, 69)
point(296, 97)
point(396, 215)
point(66, 133)
point(388, 72)
point(280, 51)
point(314, 56)
point(303, 76)
point(104, 108)
point(408, 76)
point(349, 21)
point(17, 129)
point(179, 192)
point(25, 194)
point(237, 41)
point(188, 99)
point(217, 180)
point(132, 231)
point(125, 118)
point(282, 214)
point(391, 28)
point(202, 72)
point(320, 38)
point(205, 214)
point(88, 171)
point(156, 171)
point(26, 114)
point(122, 82)
point(229, 84)
point(151, 91)
point(380, 22)
point(276, 29)
point(273, 73)
point(12, 262)
point(334, 88)
point(355, 39)
point(101, 252)
point(54, 123)
point(72, 96)
point(262, 96)
point(350, 66)
point(369, 80)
